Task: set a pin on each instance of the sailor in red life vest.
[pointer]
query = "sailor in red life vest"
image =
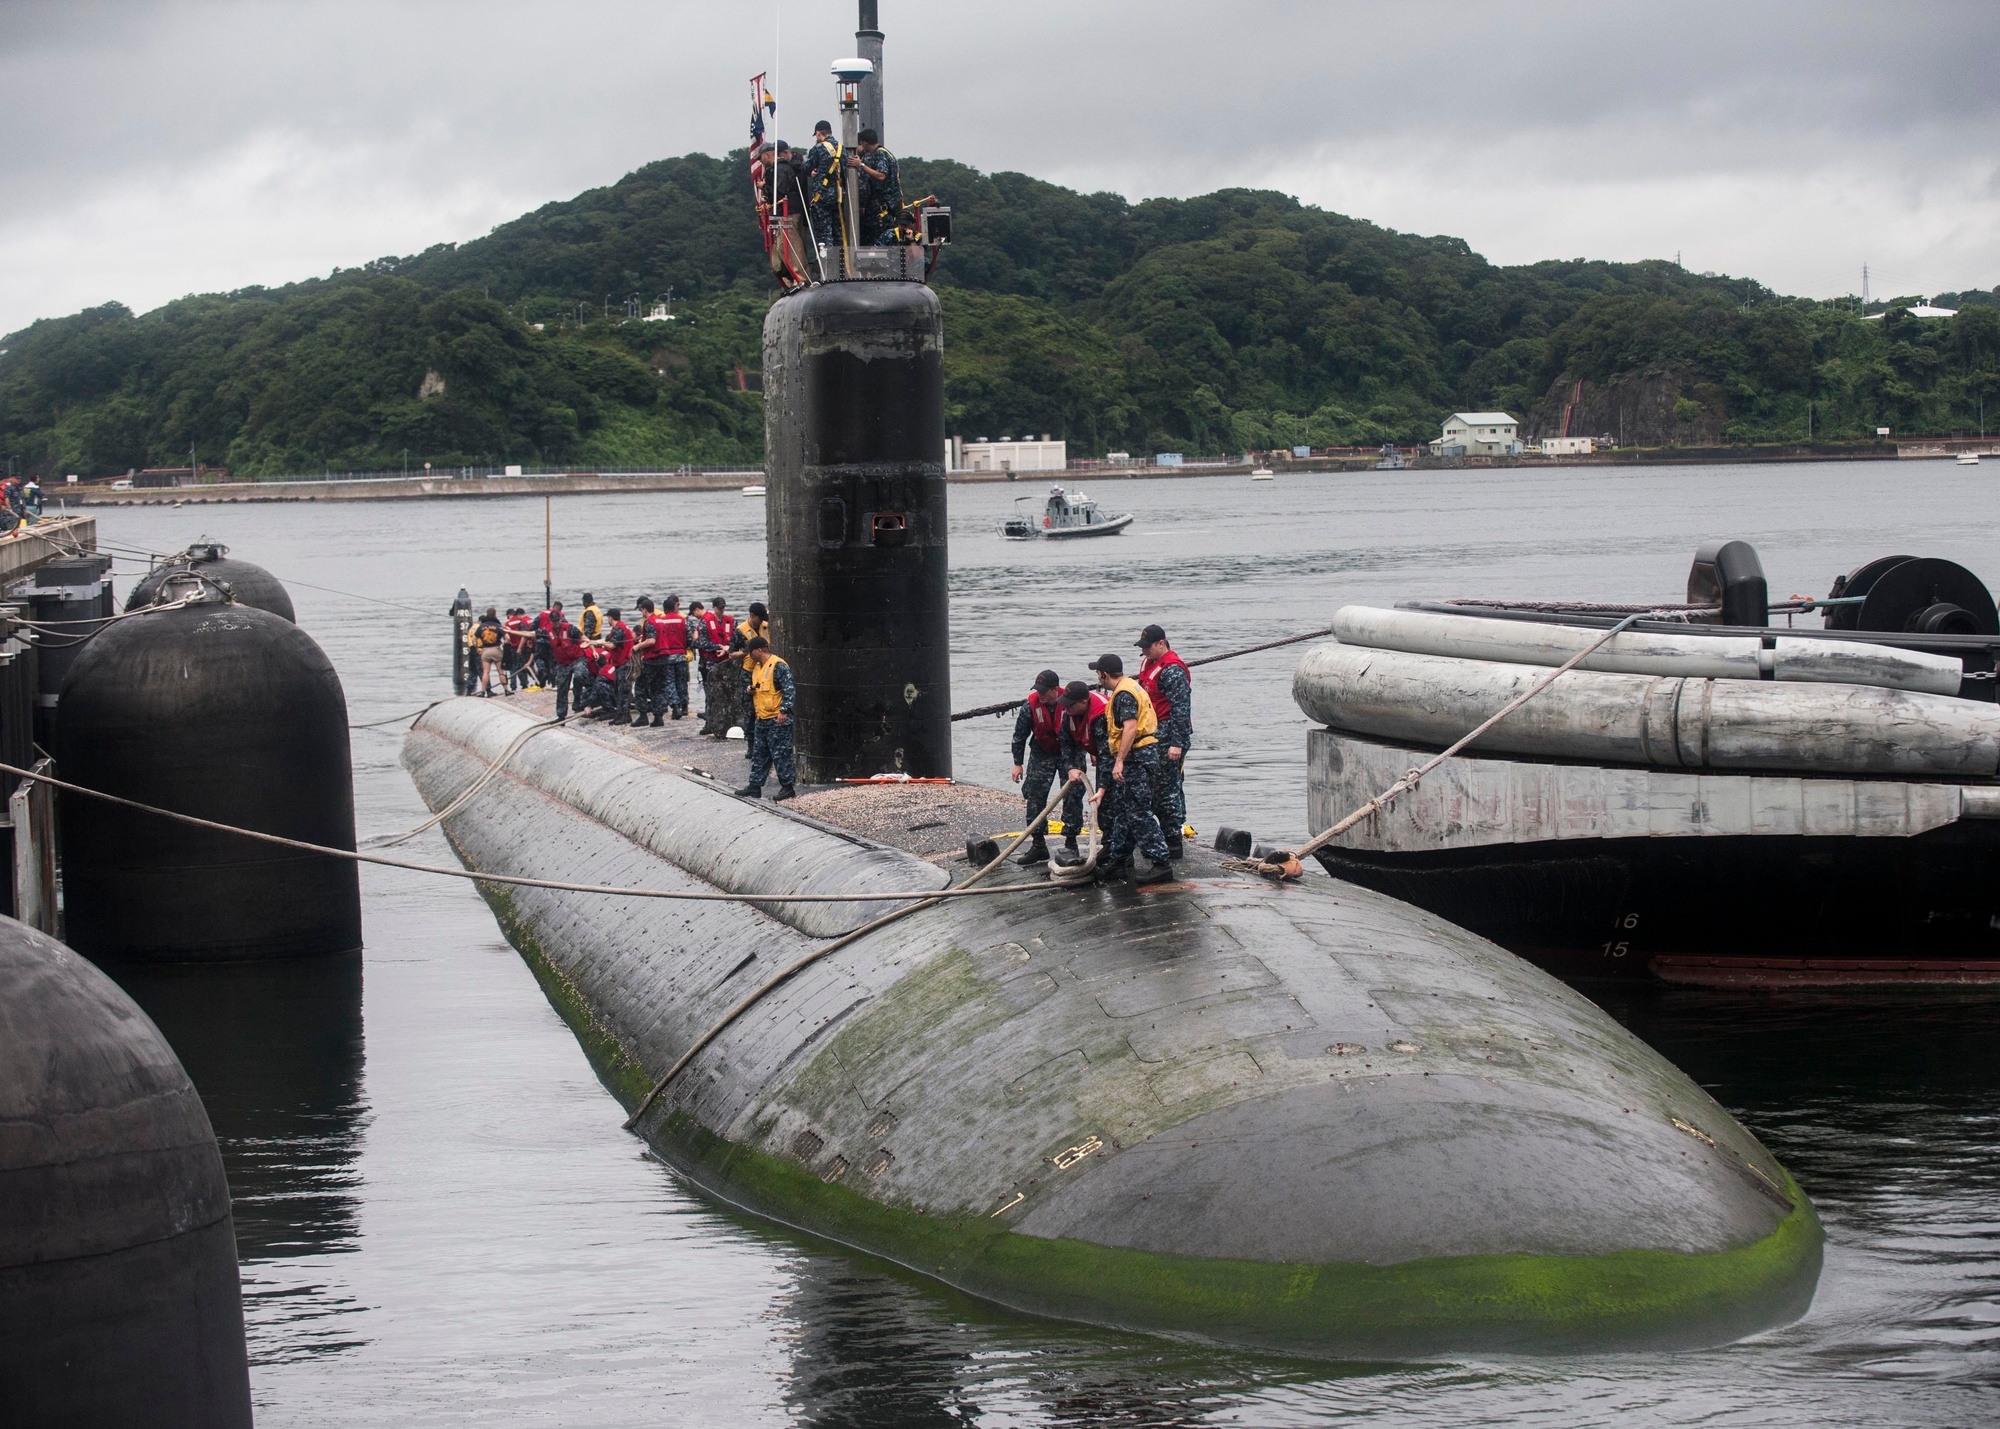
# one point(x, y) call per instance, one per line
point(663, 680)
point(1169, 684)
point(1037, 747)
point(568, 665)
point(718, 676)
point(614, 687)
point(546, 626)
point(1082, 743)
point(520, 644)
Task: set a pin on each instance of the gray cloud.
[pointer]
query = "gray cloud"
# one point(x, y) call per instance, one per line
point(156, 147)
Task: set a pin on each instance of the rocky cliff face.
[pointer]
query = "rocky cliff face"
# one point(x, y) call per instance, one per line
point(1660, 407)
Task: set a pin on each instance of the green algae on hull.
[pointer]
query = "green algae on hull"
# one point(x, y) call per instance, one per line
point(1633, 1299)
point(1624, 1300)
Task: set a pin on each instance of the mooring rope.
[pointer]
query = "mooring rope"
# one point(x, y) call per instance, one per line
point(1009, 706)
point(486, 777)
point(514, 880)
point(798, 965)
point(1411, 779)
point(413, 714)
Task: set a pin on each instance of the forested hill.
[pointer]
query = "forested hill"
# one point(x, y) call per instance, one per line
point(1237, 320)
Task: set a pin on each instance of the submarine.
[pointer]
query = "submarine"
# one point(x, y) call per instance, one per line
point(1304, 1116)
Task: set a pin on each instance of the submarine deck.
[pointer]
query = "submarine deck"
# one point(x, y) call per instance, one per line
point(1302, 1117)
point(931, 820)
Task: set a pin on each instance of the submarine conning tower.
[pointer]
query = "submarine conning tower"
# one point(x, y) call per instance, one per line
point(855, 508)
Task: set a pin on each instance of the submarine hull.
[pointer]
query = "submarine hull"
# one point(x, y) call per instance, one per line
point(1308, 1118)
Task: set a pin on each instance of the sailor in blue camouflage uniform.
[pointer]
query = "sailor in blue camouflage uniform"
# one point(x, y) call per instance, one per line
point(881, 189)
point(822, 180)
point(1037, 751)
point(1170, 685)
point(1082, 742)
point(771, 695)
point(1133, 731)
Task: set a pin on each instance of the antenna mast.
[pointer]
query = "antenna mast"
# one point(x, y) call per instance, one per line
point(868, 45)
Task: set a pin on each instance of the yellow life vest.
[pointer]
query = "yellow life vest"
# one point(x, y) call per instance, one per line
point(1149, 723)
point(591, 622)
point(765, 700)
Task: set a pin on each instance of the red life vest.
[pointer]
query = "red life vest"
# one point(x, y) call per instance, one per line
point(620, 650)
point(517, 631)
point(1149, 680)
point(720, 628)
point(564, 647)
point(1077, 726)
point(547, 622)
point(670, 636)
point(1048, 716)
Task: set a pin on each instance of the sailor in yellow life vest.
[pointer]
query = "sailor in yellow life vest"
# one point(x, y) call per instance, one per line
point(735, 678)
point(1132, 728)
point(486, 638)
point(770, 690)
point(590, 620)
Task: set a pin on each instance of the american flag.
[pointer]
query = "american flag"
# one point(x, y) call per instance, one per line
point(761, 103)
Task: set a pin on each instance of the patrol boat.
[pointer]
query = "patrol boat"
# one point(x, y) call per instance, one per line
point(1064, 514)
point(1304, 1117)
point(1707, 799)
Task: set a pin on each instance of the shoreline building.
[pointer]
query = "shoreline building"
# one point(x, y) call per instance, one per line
point(1478, 434)
point(1008, 454)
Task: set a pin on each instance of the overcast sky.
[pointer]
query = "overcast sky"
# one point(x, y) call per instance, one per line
point(159, 147)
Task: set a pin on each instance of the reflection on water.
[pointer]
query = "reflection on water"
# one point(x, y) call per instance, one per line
point(275, 1049)
point(470, 1239)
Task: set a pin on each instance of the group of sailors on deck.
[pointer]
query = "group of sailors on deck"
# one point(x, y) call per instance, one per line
point(1133, 732)
point(641, 671)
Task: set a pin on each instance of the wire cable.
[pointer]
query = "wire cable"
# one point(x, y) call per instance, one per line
point(1010, 706)
point(514, 880)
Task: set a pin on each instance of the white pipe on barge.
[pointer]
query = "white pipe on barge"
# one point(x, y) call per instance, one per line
point(1640, 652)
point(1660, 721)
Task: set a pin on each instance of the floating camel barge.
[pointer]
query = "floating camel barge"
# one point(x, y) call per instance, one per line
point(1306, 1118)
point(1703, 804)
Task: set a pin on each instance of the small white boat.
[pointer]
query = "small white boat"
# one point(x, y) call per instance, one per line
point(1262, 473)
point(1968, 458)
point(1392, 458)
point(1064, 514)
point(753, 491)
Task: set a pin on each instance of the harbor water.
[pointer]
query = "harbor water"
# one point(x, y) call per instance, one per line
point(441, 1222)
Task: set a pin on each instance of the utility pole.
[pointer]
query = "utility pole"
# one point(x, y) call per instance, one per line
point(1864, 287)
